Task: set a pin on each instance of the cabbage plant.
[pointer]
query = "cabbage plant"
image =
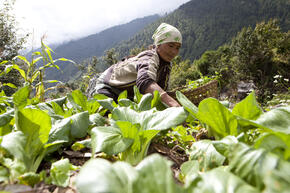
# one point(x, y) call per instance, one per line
point(131, 131)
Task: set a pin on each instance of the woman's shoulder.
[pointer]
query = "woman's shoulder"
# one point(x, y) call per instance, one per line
point(148, 53)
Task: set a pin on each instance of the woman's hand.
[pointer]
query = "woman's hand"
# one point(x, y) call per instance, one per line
point(169, 100)
point(165, 98)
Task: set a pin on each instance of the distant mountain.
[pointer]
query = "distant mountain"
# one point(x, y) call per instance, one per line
point(95, 45)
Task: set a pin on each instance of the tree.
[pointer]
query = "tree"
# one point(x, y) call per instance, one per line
point(111, 57)
point(10, 42)
point(258, 54)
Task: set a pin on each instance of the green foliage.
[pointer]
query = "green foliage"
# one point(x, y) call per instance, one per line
point(111, 57)
point(182, 72)
point(60, 172)
point(133, 131)
point(245, 118)
point(248, 170)
point(206, 155)
point(206, 25)
point(33, 73)
point(153, 174)
point(10, 41)
point(193, 84)
point(258, 54)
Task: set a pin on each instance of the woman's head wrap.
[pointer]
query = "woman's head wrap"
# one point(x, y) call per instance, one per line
point(166, 33)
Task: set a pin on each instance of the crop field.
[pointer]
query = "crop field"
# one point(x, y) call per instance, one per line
point(244, 149)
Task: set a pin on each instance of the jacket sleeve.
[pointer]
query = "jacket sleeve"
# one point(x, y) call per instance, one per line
point(146, 71)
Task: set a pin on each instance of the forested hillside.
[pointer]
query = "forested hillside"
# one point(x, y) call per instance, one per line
point(207, 24)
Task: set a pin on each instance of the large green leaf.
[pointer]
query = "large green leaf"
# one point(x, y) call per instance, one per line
point(155, 175)
point(136, 128)
point(123, 95)
point(79, 124)
point(93, 106)
point(128, 114)
point(130, 131)
point(137, 95)
point(67, 130)
point(207, 156)
point(145, 102)
point(220, 120)
point(60, 101)
point(277, 119)
point(254, 165)
point(127, 103)
point(187, 104)
point(108, 103)
point(97, 120)
point(223, 145)
point(14, 143)
point(21, 96)
point(189, 171)
point(60, 133)
point(80, 99)
point(220, 181)
point(109, 140)
point(99, 176)
point(278, 181)
point(248, 108)
point(52, 109)
point(275, 142)
point(165, 119)
point(35, 124)
point(142, 139)
point(152, 119)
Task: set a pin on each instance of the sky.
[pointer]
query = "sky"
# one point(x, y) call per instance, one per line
point(64, 20)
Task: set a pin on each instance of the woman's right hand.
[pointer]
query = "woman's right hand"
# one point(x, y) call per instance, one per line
point(169, 100)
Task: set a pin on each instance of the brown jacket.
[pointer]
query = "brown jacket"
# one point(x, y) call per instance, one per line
point(140, 70)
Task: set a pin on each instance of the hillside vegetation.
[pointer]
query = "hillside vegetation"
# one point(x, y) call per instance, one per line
point(206, 25)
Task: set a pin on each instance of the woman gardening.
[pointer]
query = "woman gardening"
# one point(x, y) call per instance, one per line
point(149, 70)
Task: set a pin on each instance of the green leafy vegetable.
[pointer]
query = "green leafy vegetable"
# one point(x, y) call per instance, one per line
point(132, 131)
point(60, 172)
point(207, 156)
point(153, 174)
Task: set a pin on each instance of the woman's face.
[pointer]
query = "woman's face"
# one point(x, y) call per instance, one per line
point(168, 51)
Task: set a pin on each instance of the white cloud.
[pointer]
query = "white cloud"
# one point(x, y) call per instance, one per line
point(63, 20)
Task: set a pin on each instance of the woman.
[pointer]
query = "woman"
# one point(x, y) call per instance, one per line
point(149, 70)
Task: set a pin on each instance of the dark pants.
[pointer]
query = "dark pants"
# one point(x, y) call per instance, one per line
point(108, 92)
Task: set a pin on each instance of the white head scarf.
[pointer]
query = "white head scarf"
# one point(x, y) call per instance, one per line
point(166, 33)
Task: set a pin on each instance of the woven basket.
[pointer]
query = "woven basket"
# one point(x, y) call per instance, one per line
point(198, 94)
